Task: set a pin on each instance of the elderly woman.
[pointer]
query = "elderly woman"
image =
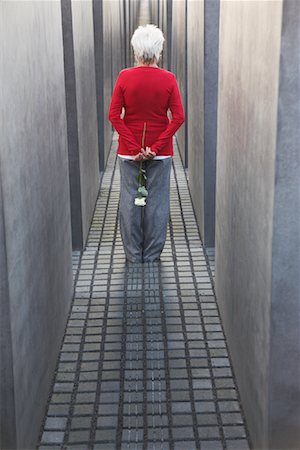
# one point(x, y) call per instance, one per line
point(146, 92)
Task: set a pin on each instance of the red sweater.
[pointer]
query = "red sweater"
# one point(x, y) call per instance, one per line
point(146, 93)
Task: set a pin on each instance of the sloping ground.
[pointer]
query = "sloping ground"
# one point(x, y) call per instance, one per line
point(144, 363)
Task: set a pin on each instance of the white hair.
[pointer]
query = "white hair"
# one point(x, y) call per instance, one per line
point(147, 42)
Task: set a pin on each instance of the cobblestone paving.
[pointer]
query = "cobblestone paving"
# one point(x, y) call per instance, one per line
point(144, 363)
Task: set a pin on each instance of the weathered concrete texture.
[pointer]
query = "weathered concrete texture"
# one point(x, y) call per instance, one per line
point(211, 50)
point(257, 226)
point(72, 125)
point(164, 23)
point(116, 23)
point(117, 36)
point(179, 65)
point(36, 273)
point(144, 15)
point(284, 401)
point(195, 100)
point(7, 403)
point(127, 35)
point(202, 72)
point(120, 19)
point(134, 8)
point(153, 8)
point(248, 83)
point(168, 36)
point(130, 10)
point(109, 42)
point(83, 37)
point(107, 75)
point(99, 72)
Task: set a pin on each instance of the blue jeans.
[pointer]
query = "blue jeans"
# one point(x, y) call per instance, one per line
point(144, 228)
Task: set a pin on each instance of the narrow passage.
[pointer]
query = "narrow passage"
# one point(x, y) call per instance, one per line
point(144, 363)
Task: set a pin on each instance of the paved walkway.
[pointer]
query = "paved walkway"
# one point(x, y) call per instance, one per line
point(144, 363)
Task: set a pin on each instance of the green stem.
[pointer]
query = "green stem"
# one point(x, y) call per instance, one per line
point(141, 174)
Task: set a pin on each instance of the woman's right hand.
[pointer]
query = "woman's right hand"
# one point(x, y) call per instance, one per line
point(144, 155)
point(139, 156)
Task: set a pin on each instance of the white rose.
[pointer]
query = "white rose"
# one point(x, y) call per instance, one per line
point(140, 201)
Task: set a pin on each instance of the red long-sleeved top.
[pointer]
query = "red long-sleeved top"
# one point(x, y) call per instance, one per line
point(146, 93)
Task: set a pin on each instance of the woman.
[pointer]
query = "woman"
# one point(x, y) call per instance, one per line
point(146, 92)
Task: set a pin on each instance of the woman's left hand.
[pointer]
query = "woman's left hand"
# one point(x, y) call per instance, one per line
point(148, 154)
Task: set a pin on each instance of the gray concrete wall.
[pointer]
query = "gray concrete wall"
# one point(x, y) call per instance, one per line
point(120, 21)
point(256, 222)
point(195, 100)
point(110, 43)
point(131, 11)
point(72, 125)
point(134, 11)
point(7, 403)
point(117, 36)
point(169, 7)
point(108, 80)
point(116, 55)
point(35, 214)
point(82, 119)
point(83, 37)
point(164, 24)
point(248, 83)
point(158, 16)
point(99, 72)
point(153, 8)
point(202, 73)
point(179, 66)
point(211, 51)
point(284, 370)
point(126, 15)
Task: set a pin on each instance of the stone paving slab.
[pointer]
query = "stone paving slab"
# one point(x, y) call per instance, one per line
point(144, 362)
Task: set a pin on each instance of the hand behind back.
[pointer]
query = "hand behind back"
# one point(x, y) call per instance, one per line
point(144, 154)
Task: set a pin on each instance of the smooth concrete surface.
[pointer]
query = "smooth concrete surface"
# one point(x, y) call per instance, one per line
point(108, 79)
point(72, 125)
point(211, 50)
point(117, 38)
point(202, 70)
point(99, 72)
point(116, 25)
point(120, 19)
point(154, 6)
point(195, 101)
point(134, 7)
point(284, 390)
point(164, 23)
point(179, 67)
point(257, 219)
point(247, 112)
point(36, 247)
point(84, 147)
point(84, 61)
point(168, 36)
point(7, 400)
point(126, 16)
point(131, 10)
point(116, 56)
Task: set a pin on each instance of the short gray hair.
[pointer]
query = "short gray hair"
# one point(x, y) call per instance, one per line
point(147, 42)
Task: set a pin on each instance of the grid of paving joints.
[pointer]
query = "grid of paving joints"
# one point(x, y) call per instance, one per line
point(144, 363)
